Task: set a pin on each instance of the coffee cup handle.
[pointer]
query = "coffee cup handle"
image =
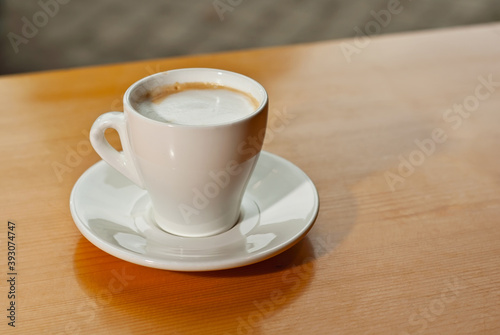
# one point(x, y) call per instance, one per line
point(121, 161)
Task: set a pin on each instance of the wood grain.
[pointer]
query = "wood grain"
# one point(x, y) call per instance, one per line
point(407, 238)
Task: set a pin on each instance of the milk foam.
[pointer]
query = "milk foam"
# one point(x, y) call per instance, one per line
point(198, 107)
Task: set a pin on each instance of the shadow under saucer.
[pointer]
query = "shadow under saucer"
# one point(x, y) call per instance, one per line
point(225, 301)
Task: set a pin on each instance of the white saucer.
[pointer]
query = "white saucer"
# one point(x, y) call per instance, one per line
point(279, 207)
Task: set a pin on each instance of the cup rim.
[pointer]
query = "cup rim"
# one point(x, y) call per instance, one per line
point(128, 105)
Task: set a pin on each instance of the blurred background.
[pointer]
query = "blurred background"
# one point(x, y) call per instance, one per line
point(52, 34)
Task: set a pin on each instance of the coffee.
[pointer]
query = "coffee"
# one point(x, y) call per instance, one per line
point(196, 103)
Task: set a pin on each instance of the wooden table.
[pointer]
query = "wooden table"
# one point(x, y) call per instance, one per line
point(399, 133)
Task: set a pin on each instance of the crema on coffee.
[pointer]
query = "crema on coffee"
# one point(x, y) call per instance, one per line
point(196, 104)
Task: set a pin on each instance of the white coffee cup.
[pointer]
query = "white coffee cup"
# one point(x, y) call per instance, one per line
point(195, 175)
